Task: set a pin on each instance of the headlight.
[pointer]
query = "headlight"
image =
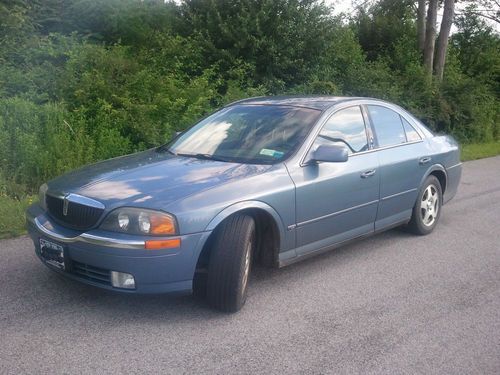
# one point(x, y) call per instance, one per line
point(41, 196)
point(140, 221)
point(123, 221)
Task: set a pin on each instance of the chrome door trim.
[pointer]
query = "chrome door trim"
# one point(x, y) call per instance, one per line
point(335, 213)
point(398, 194)
point(386, 148)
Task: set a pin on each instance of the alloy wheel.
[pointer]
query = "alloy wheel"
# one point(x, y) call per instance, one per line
point(429, 205)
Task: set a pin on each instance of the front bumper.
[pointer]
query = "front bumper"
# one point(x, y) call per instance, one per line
point(94, 254)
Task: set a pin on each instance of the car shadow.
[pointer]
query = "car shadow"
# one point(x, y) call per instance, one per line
point(336, 257)
point(54, 294)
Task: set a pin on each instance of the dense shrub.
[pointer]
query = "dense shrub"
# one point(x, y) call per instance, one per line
point(85, 80)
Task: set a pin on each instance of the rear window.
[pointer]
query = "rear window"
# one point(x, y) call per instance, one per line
point(411, 133)
point(387, 126)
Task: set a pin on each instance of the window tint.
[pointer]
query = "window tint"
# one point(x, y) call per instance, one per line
point(347, 128)
point(411, 133)
point(387, 125)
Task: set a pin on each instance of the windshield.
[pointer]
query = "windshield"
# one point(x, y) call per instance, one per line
point(259, 134)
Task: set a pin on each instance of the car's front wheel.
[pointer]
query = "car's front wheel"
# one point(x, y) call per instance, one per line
point(230, 263)
point(427, 209)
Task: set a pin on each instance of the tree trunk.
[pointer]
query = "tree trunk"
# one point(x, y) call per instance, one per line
point(421, 25)
point(430, 35)
point(442, 41)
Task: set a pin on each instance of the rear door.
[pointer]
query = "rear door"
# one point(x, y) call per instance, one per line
point(403, 162)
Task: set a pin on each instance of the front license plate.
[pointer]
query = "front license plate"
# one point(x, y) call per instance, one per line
point(52, 253)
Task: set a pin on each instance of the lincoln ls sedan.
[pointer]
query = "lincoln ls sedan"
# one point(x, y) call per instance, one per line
point(267, 181)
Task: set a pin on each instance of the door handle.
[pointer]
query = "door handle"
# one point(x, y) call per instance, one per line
point(425, 160)
point(368, 173)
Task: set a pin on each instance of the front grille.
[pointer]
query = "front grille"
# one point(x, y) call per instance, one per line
point(91, 273)
point(78, 216)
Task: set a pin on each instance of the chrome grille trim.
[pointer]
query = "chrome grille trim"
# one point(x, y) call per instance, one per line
point(74, 211)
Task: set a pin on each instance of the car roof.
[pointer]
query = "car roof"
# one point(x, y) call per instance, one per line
point(315, 102)
point(323, 102)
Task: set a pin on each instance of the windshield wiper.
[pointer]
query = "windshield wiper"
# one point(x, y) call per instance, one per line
point(205, 157)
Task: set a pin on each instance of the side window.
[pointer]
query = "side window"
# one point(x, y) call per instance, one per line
point(411, 133)
point(347, 128)
point(387, 125)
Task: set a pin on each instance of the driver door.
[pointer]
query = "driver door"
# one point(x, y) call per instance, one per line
point(337, 201)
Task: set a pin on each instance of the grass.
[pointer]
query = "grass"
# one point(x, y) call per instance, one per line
point(475, 151)
point(12, 219)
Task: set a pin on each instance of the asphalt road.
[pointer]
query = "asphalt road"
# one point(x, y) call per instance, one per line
point(394, 303)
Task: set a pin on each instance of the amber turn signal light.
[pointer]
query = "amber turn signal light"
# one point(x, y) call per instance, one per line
point(171, 243)
point(162, 224)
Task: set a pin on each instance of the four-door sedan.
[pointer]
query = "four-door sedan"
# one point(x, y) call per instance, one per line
point(269, 180)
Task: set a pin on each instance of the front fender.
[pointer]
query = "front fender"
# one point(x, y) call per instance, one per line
point(244, 206)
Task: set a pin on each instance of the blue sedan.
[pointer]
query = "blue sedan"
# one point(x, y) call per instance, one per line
point(267, 180)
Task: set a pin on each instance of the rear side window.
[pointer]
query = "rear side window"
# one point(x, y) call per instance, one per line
point(411, 133)
point(387, 126)
point(346, 127)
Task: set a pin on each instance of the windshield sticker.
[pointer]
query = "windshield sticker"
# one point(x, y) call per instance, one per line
point(273, 153)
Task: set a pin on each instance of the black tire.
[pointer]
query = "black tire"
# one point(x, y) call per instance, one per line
point(229, 266)
point(424, 219)
point(200, 285)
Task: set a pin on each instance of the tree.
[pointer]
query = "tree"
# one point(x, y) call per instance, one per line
point(430, 35)
point(489, 9)
point(421, 24)
point(477, 47)
point(380, 26)
point(282, 39)
point(442, 41)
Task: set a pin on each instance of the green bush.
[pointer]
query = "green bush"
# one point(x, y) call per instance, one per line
point(96, 79)
point(40, 141)
point(12, 219)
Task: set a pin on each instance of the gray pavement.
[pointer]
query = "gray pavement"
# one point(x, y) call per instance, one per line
point(394, 303)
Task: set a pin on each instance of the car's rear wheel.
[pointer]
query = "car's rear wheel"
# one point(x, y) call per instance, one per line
point(230, 263)
point(427, 209)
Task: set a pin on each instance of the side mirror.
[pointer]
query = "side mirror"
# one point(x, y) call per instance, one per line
point(330, 154)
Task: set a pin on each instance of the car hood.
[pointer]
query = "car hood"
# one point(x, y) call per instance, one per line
point(150, 178)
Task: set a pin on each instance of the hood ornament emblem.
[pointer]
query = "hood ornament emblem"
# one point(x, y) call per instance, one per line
point(65, 205)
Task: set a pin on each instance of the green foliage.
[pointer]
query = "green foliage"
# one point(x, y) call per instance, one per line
point(86, 80)
point(380, 27)
point(126, 21)
point(40, 141)
point(12, 219)
point(477, 48)
point(283, 40)
point(470, 110)
point(144, 104)
point(475, 151)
